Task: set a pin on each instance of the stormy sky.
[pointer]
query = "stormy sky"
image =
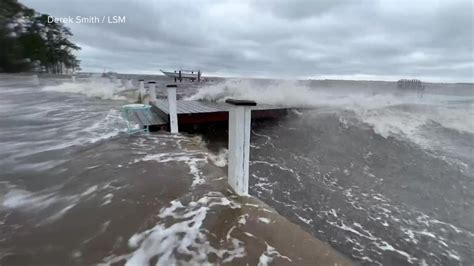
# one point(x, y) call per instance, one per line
point(367, 39)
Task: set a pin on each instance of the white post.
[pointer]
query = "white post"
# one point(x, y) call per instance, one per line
point(152, 91)
point(172, 108)
point(141, 90)
point(119, 82)
point(239, 145)
point(73, 79)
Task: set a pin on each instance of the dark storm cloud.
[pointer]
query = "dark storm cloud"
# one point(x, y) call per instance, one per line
point(431, 40)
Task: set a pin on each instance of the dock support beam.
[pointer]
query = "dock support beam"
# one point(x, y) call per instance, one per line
point(239, 145)
point(152, 91)
point(172, 108)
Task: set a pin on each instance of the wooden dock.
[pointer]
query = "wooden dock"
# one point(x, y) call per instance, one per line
point(201, 112)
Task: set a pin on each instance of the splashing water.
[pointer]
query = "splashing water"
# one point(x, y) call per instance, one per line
point(98, 87)
point(407, 116)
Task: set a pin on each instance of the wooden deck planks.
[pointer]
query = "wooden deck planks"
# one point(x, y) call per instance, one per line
point(193, 107)
point(199, 112)
point(147, 119)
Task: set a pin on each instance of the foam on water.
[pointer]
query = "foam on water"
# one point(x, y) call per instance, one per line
point(193, 159)
point(379, 200)
point(219, 159)
point(76, 133)
point(47, 201)
point(19, 198)
point(269, 254)
point(39, 121)
point(185, 236)
point(406, 116)
point(98, 87)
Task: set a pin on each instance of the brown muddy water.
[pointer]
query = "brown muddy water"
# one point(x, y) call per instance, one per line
point(382, 176)
point(76, 190)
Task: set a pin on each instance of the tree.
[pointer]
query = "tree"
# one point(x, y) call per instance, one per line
point(27, 37)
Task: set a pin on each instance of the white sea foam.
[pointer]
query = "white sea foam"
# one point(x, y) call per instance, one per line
point(89, 191)
point(18, 198)
point(406, 116)
point(103, 88)
point(50, 203)
point(193, 160)
point(269, 254)
point(108, 199)
point(109, 126)
point(184, 236)
point(26, 201)
point(219, 159)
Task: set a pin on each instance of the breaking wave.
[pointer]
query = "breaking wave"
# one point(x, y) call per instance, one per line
point(407, 116)
point(98, 87)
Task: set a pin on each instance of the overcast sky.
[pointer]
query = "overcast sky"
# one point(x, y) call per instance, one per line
point(385, 40)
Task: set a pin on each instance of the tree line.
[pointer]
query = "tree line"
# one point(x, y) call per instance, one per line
point(28, 42)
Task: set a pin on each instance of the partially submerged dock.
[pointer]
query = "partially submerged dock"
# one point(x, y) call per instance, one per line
point(202, 112)
point(237, 113)
point(192, 112)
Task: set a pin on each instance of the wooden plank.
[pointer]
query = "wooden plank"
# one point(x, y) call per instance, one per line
point(157, 120)
point(140, 119)
point(190, 107)
point(160, 112)
point(145, 118)
point(195, 107)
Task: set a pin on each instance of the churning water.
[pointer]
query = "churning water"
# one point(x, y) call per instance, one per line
point(384, 177)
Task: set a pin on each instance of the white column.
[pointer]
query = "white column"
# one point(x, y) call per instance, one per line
point(172, 106)
point(118, 82)
point(73, 79)
point(152, 91)
point(141, 90)
point(239, 145)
